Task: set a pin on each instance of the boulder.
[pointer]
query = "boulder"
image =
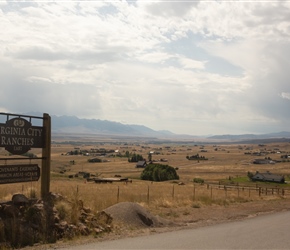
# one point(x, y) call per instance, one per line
point(20, 200)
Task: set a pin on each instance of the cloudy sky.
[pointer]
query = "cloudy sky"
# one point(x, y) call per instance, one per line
point(194, 67)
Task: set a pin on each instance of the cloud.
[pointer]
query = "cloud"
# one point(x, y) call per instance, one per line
point(285, 95)
point(191, 64)
point(170, 8)
point(194, 67)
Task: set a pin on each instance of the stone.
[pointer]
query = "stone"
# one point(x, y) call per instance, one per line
point(20, 200)
point(10, 211)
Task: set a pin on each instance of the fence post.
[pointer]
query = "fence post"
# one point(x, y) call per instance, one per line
point(259, 191)
point(211, 192)
point(148, 196)
point(118, 194)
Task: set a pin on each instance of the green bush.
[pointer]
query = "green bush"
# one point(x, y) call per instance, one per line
point(159, 172)
point(198, 180)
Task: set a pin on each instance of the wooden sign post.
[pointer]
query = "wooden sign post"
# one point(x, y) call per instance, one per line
point(46, 150)
point(18, 136)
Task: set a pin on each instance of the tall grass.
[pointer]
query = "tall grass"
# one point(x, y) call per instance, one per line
point(152, 195)
point(166, 194)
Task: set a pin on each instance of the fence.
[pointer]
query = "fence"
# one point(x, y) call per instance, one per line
point(104, 195)
point(100, 196)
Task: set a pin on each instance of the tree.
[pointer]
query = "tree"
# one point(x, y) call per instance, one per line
point(250, 175)
point(136, 158)
point(159, 172)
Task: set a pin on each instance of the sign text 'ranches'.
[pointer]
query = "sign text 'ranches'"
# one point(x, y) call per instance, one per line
point(18, 136)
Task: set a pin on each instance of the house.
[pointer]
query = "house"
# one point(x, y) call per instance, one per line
point(285, 156)
point(268, 177)
point(141, 164)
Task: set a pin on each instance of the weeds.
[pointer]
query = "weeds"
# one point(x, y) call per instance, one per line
point(63, 210)
point(76, 204)
point(196, 205)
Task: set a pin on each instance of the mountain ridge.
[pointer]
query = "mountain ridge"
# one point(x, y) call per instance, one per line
point(72, 124)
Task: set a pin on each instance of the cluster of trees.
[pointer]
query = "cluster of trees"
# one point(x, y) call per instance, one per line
point(132, 157)
point(92, 151)
point(135, 158)
point(94, 160)
point(159, 172)
point(196, 157)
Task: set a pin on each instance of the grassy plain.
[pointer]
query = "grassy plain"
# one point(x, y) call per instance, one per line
point(225, 163)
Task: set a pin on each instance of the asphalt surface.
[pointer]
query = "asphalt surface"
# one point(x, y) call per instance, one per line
point(262, 232)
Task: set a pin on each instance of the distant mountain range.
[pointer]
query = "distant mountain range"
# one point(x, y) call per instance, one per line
point(74, 125)
point(283, 134)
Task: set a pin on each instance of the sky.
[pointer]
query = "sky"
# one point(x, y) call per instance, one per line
point(190, 67)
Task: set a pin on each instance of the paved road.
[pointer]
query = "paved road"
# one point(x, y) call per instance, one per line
point(262, 232)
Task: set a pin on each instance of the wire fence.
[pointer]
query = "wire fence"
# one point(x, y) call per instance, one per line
point(146, 192)
point(104, 195)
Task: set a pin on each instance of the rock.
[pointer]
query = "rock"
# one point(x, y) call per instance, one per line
point(83, 229)
point(87, 210)
point(98, 230)
point(26, 221)
point(61, 228)
point(10, 211)
point(20, 200)
point(104, 218)
point(56, 197)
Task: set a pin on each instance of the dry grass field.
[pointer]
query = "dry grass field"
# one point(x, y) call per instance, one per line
point(226, 164)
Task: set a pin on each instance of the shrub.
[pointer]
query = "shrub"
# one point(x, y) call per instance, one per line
point(159, 172)
point(63, 210)
point(198, 180)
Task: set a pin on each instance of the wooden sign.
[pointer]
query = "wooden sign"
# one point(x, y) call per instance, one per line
point(19, 173)
point(18, 136)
